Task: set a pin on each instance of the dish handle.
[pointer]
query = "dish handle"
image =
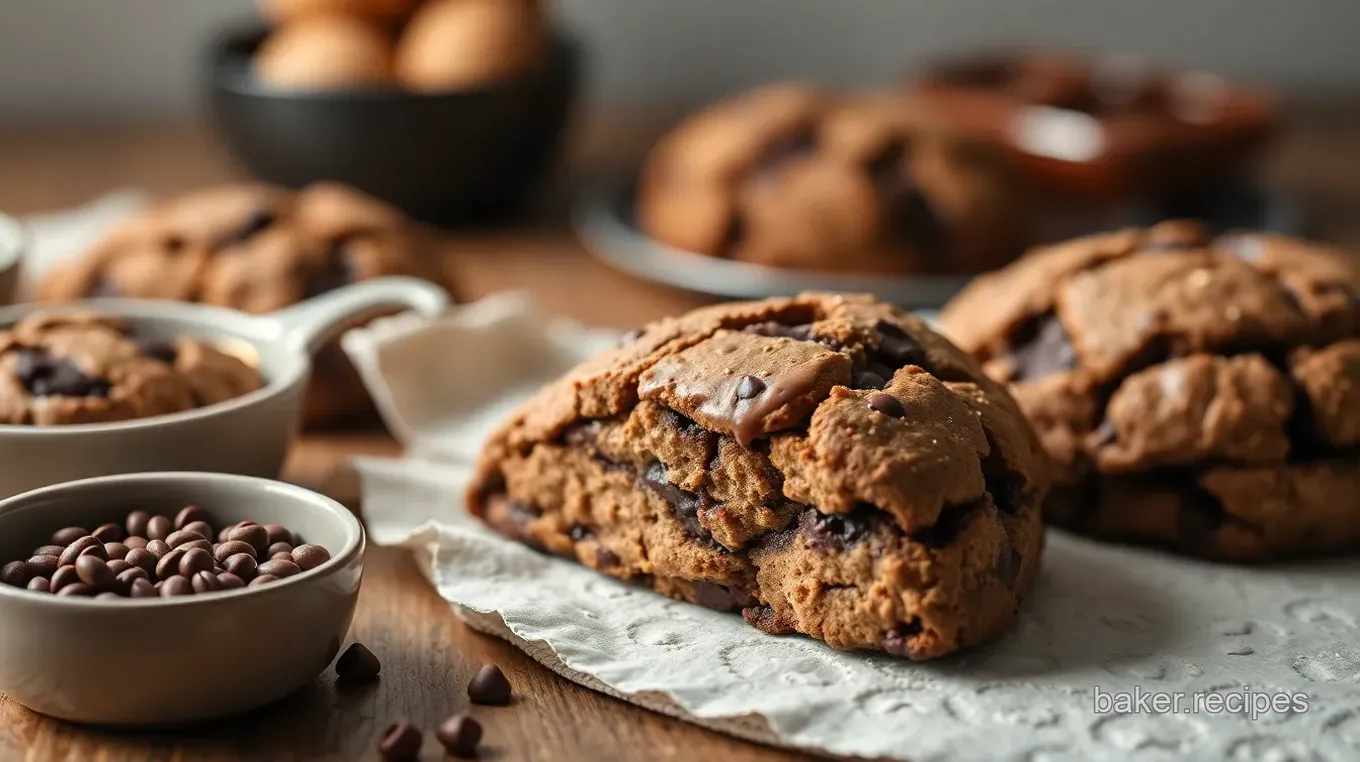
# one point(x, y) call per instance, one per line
point(310, 325)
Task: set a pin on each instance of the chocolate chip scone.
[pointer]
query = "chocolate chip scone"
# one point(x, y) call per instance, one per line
point(794, 177)
point(255, 248)
point(824, 464)
point(1198, 393)
point(88, 368)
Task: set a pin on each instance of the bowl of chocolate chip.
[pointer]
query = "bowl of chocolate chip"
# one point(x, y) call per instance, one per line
point(112, 386)
point(12, 242)
point(201, 595)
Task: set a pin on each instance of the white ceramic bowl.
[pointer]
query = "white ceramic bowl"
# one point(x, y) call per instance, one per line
point(246, 435)
point(170, 661)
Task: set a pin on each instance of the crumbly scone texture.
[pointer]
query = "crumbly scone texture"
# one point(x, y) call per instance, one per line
point(1194, 392)
point(825, 464)
point(791, 176)
point(82, 367)
point(255, 248)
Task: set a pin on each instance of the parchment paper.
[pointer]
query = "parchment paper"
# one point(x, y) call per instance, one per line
point(1102, 619)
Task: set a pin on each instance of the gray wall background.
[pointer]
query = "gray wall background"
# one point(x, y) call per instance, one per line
point(141, 57)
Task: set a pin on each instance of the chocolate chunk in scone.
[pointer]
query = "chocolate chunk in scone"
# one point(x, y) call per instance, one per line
point(258, 249)
point(824, 464)
point(1195, 392)
point(87, 368)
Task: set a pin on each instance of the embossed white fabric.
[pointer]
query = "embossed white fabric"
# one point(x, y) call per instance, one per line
point(1101, 617)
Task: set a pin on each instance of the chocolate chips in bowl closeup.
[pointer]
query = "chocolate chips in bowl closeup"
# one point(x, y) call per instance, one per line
point(245, 583)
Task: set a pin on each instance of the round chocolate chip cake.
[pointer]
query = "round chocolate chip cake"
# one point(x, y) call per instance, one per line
point(824, 464)
point(1195, 392)
point(793, 177)
point(255, 248)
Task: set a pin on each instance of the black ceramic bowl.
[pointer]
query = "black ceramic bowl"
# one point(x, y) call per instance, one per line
point(451, 157)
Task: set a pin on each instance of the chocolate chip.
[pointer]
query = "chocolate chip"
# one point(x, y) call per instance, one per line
point(898, 347)
point(897, 641)
point(400, 742)
point(772, 329)
point(835, 532)
point(190, 514)
point(142, 588)
point(136, 524)
point(749, 387)
point(15, 573)
point(489, 686)
point(43, 375)
point(182, 537)
point(229, 581)
point(142, 559)
point(256, 222)
point(64, 576)
point(205, 582)
point(605, 558)
point(947, 527)
point(279, 549)
point(242, 565)
point(253, 535)
point(42, 566)
point(75, 549)
point(164, 350)
point(887, 405)
point(711, 595)
point(308, 557)
point(279, 568)
point(157, 549)
point(116, 551)
point(459, 736)
point(1042, 348)
point(277, 533)
point(195, 561)
point(127, 577)
point(910, 212)
point(867, 379)
point(1007, 488)
point(683, 503)
point(118, 566)
point(357, 664)
point(158, 528)
point(107, 533)
point(168, 565)
point(176, 586)
point(64, 537)
point(94, 572)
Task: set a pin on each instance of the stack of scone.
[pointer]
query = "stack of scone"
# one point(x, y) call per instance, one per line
point(430, 45)
point(798, 177)
point(1195, 392)
point(255, 248)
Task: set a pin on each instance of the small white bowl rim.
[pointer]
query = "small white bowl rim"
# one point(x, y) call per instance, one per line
point(352, 550)
point(165, 309)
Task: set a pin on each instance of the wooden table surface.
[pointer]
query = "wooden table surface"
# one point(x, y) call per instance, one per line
point(428, 655)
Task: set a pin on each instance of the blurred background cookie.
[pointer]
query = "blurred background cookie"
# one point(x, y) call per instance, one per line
point(376, 10)
point(790, 176)
point(326, 52)
point(464, 44)
point(255, 248)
